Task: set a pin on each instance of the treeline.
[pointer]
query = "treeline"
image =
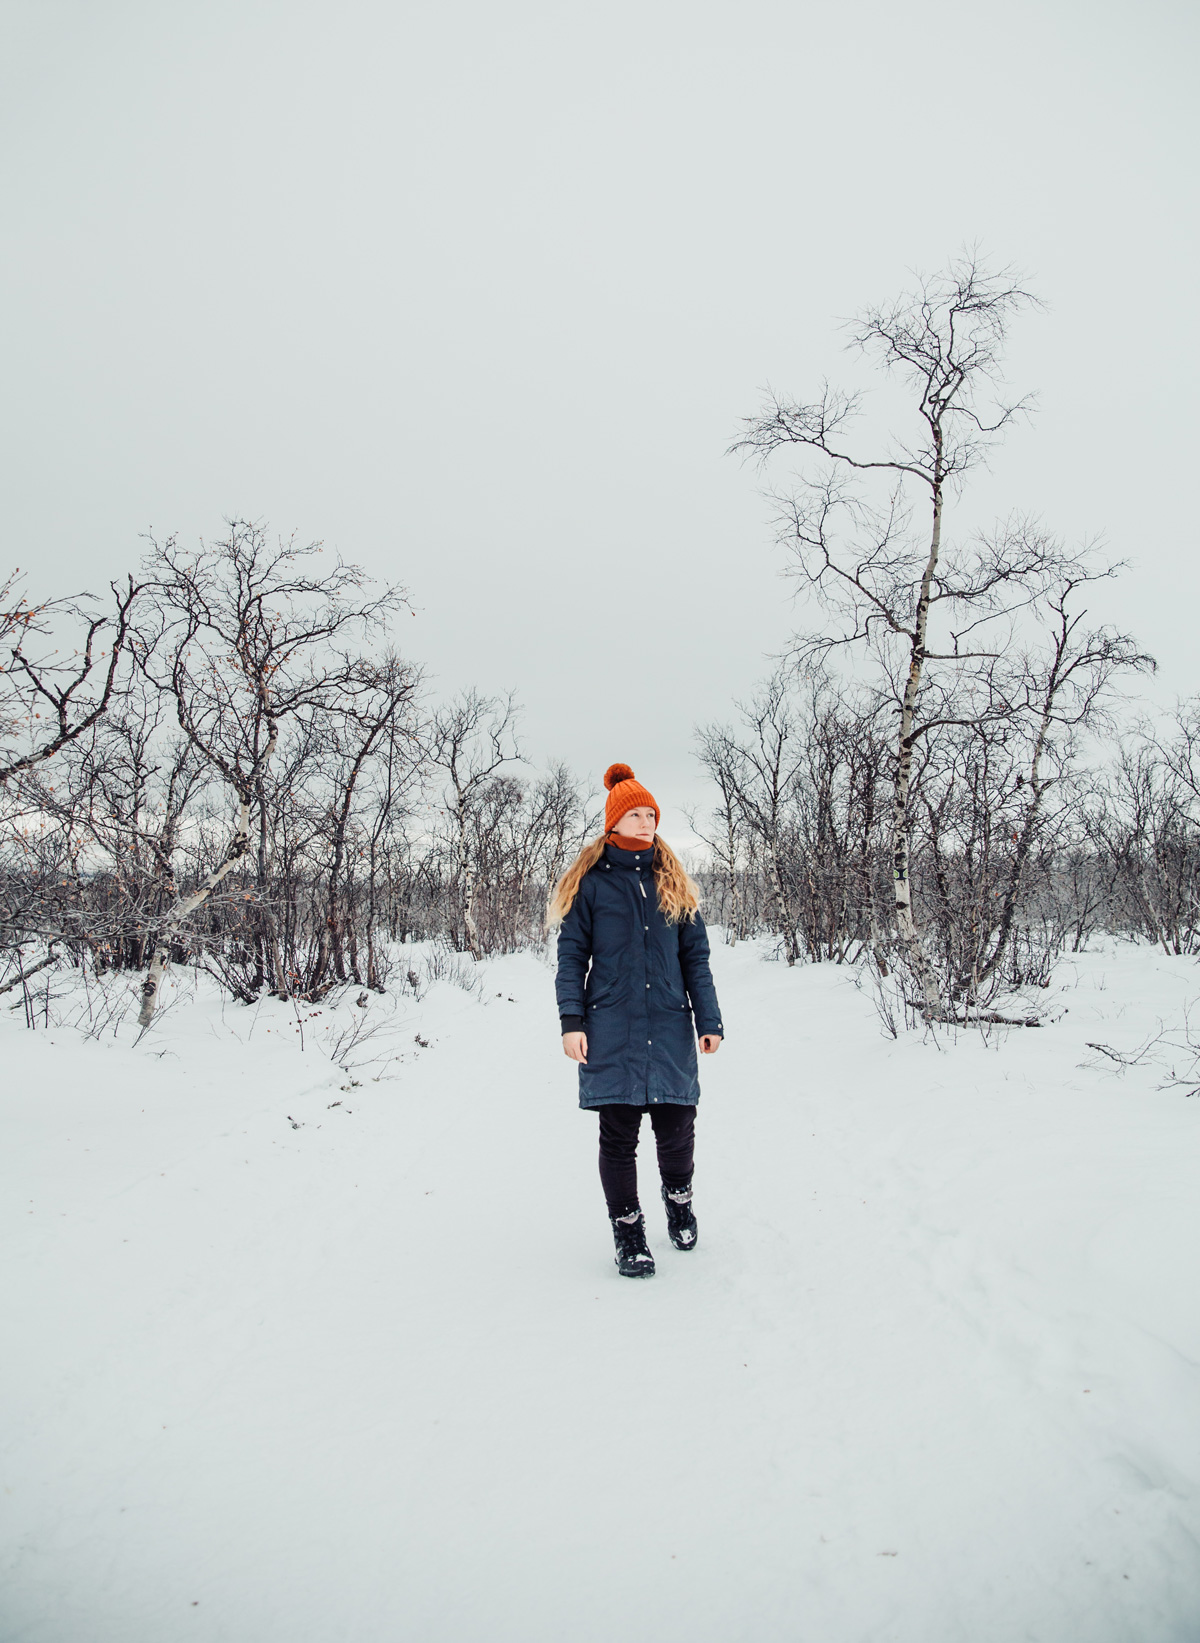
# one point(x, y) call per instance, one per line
point(233, 766)
point(925, 785)
point(1018, 851)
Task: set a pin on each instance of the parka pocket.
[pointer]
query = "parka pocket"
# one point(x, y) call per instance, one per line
point(605, 986)
point(608, 1034)
point(670, 987)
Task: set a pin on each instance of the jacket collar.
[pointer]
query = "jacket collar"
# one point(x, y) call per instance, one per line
point(616, 857)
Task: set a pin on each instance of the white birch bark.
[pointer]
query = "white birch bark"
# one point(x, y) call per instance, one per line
point(731, 849)
point(906, 927)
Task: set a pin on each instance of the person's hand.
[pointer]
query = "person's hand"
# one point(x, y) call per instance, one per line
point(710, 1043)
point(575, 1045)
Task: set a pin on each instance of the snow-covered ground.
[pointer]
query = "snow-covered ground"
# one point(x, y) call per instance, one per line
point(292, 1359)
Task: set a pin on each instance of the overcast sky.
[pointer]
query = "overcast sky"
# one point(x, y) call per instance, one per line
point(477, 294)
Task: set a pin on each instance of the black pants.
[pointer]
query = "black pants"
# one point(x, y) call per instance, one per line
point(674, 1137)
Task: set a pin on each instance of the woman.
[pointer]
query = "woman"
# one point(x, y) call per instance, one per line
point(632, 968)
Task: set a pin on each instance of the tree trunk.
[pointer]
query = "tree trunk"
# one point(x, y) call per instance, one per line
point(909, 936)
point(731, 845)
point(466, 879)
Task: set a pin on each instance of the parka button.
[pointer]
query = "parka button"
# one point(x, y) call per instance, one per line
point(649, 1041)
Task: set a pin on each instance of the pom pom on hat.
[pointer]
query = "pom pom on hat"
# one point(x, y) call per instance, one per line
point(625, 792)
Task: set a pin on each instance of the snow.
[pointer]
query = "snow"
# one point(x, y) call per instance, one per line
point(930, 1374)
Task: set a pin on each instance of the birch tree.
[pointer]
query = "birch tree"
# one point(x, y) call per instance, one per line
point(240, 640)
point(372, 718)
point(471, 740)
point(879, 566)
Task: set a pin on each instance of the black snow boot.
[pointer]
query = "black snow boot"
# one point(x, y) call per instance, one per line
point(681, 1223)
point(633, 1257)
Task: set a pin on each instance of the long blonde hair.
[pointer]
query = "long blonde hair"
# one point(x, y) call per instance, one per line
point(678, 896)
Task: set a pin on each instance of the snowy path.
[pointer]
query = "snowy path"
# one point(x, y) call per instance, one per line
point(931, 1376)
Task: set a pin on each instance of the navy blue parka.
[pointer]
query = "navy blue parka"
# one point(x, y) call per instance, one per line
point(631, 981)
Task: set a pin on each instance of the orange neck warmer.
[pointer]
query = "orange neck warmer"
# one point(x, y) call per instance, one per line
point(623, 843)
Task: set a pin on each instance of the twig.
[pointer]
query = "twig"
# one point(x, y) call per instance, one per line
point(24, 975)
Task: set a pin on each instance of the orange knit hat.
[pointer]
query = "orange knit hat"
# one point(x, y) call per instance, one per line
point(625, 793)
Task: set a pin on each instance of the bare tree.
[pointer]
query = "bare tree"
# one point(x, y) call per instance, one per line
point(798, 814)
point(122, 791)
point(239, 641)
point(761, 770)
point(48, 699)
point(257, 682)
point(1143, 823)
point(1057, 691)
point(865, 562)
point(471, 741)
point(372, 716)
point(722, 759)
